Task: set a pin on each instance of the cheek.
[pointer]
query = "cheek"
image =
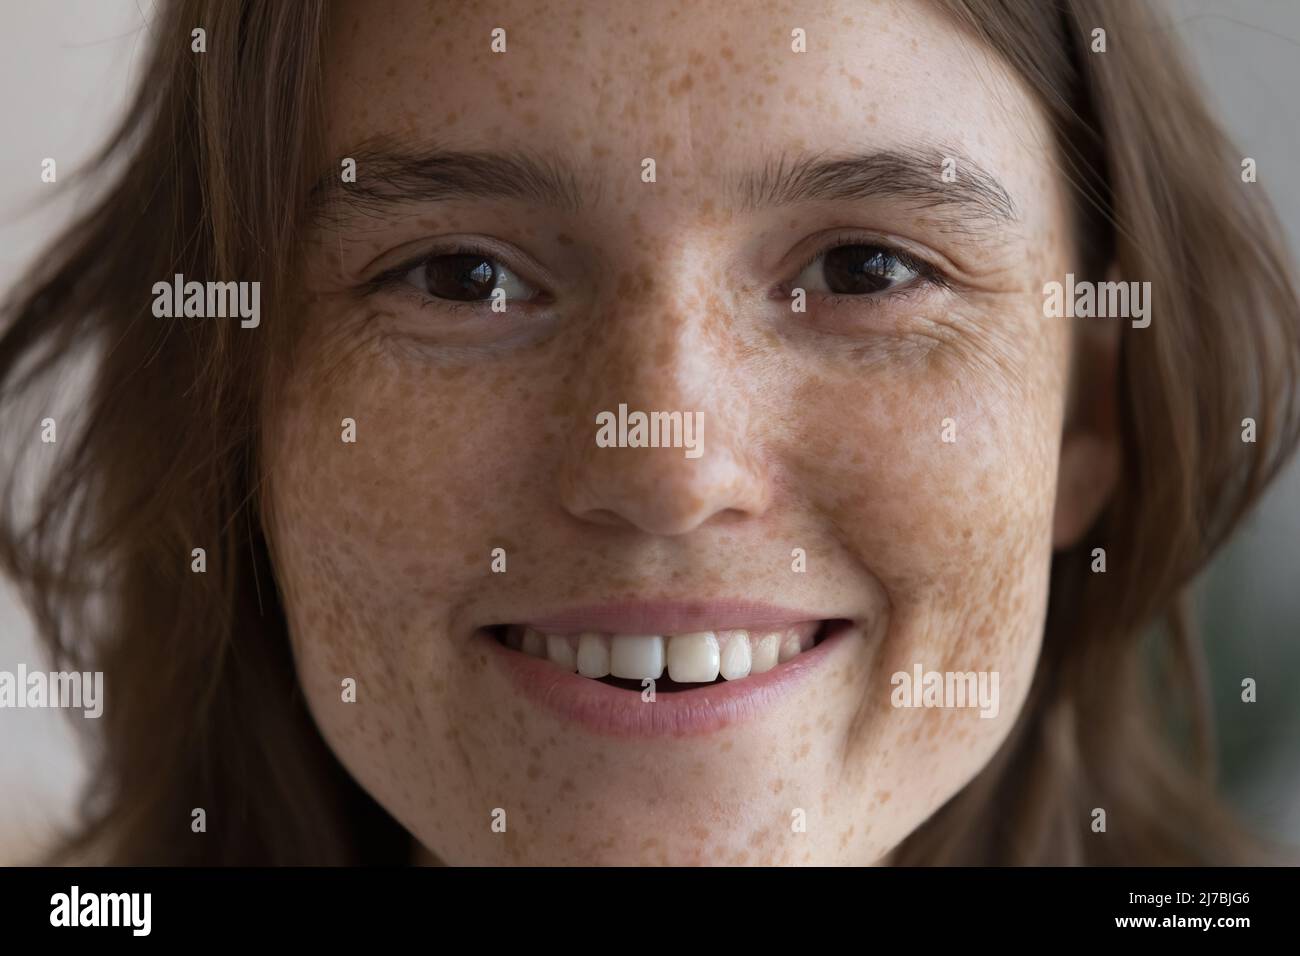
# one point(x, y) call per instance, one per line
point(423, 492)
point(373, 541)
point(939, 477)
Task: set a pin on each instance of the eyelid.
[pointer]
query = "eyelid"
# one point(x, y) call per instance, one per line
point(464, 245)
point(925, 269)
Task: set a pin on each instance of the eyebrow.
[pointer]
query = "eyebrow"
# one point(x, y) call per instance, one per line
point(914, 175)
point(389, 176)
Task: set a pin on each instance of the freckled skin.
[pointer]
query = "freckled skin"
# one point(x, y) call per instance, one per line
point(822, 431)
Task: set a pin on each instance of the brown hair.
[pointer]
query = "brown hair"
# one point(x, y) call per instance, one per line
point(205, 707)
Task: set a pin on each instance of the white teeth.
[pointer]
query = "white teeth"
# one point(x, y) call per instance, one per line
point(693, 658)
point(562, 651)
point(534, 643)
point(593, 656)
point(636, 657)
point(736, 659)
point(765, 651)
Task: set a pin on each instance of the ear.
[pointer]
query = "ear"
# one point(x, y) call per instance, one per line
point(1090, 449)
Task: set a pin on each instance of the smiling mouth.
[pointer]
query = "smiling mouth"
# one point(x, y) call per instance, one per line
point(676, 663)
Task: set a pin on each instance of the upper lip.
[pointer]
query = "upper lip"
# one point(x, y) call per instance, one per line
point(670, 617)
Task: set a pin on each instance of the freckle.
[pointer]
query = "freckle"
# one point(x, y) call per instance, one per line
point(778, 785)
point(726, 746)
point(564, 240)
point(699, 832)
point(534, 772)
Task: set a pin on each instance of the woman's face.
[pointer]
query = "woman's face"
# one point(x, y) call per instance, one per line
point(886, 456)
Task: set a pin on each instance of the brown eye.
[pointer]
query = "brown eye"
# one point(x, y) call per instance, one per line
point(463, 278)
point(467, 277)
point(856, 270)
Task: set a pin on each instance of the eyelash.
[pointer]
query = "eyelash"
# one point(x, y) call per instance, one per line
point(927, 275)
point(394, 279)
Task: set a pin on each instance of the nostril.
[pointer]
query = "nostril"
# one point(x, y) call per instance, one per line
point(663, 491)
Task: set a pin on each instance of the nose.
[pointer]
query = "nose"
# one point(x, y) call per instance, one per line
point(660, 373)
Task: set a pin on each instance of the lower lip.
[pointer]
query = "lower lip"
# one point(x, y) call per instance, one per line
point(616, 712)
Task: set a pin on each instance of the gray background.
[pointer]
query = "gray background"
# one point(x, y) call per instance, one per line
point(67, 67)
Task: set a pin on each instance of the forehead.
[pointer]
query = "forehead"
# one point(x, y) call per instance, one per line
point(698, 87)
